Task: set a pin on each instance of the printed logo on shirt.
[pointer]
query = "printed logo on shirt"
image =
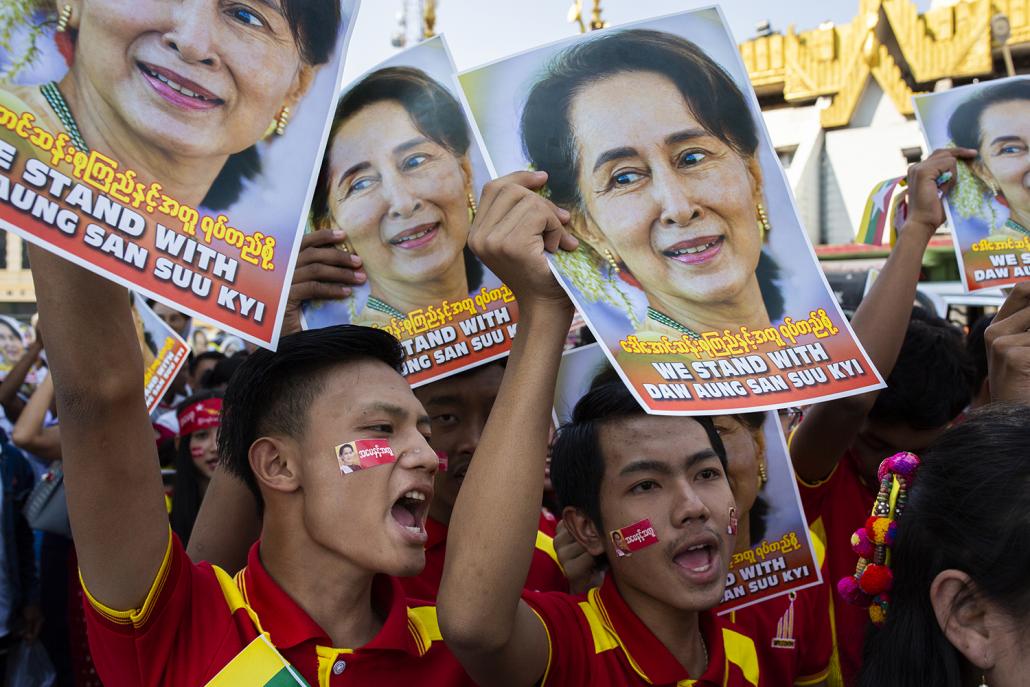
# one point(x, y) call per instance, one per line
point(784, 638)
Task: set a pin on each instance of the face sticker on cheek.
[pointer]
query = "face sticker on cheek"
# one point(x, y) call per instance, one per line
point(364, 453)
point(441, 457)
point(632, 538)
point(196, 451)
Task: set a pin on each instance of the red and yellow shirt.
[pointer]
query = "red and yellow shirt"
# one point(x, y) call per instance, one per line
point(596, 640)
point(835, 508)
point(198, 622)
point(545, 573)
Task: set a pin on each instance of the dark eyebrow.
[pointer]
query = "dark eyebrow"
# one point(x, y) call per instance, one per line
point(685, 135)
point(354, 169)
point(1006, 139)
point(272, 5)
point(659, 466)
point(408, 145)
point(613, 154)
point(443, 399)
point(398, 413)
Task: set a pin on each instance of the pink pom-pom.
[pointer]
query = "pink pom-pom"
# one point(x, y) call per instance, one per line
point(861, 544)
point(904, 465)
point(849, 591)
point(876, 579)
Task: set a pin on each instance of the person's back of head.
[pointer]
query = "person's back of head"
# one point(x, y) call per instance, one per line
point(976, 345)
point(960, 601)
point(930, 383)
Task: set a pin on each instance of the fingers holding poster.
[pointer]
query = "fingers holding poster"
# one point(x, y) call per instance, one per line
point(692, 268)
point(989, 207)
point(400, 177)
point(189, 185)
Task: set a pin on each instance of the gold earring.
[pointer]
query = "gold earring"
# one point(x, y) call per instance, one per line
point(612, 262)
point(763, 220)
point(473, 208)
point(282, 120)
point(763, 473)
point(64, 18)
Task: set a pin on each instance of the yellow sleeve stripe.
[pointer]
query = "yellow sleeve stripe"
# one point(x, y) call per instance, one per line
point(740, 650)
point(424, 627)
point(546, 544)
point(804, 680)
point(550, 645)
point(135, 617)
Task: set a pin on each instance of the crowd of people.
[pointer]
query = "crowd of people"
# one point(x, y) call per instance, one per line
point(485, 554)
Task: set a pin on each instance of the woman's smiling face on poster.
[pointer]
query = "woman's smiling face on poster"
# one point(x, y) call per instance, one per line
point(672, 202)
point(1005, 150)
point(401, 197)
point(195, 77)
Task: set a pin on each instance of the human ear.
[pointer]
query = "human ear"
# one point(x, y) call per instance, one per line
point(301, 83)
point(585, 531)
point(275, 464)
point(983, 174)
point(963, 614)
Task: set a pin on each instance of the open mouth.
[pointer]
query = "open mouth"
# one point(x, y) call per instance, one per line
point(698, 562)
point(410, 511)
point(696, 250)
point(177, 89)
point(416, 237)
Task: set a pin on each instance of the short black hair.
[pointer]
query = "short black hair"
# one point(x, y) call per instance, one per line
point(272, 392)
point(221, 374)
point(932, 379)
point(964, 124)
point(577, 458)
point(197, 358)
point(976, 345)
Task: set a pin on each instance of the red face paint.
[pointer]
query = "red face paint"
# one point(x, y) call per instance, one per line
point(637, 536)
point(364, 453)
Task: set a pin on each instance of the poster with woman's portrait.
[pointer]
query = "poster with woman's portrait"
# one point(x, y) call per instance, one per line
point(693, 269)
point(400, 176)
point(171, 149)
point(989, 206)
point(774, 554)
point(164, 351)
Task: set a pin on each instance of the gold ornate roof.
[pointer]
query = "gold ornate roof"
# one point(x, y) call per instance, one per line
point(837, 61)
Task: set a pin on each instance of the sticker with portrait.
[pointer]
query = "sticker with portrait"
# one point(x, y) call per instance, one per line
point(989, 206)
point(639, 535)
point(774, 553)
point(172, 152)
point(164, 351)
point(401, 175)
point(362, 454)
point(693, 268)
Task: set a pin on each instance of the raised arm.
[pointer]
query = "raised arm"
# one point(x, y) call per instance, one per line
point(111, 474)
point(490, 541)
point(30, 434)
point(227, 524)
point(12, 404)
point(881, 320)
point(1008, 348)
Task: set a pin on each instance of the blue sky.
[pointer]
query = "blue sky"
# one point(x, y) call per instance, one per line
point(479, 31)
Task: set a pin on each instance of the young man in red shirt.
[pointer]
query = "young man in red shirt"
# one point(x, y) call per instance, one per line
point(839, 445)
point(458, 408)
point(317, 601)
point(650, 622)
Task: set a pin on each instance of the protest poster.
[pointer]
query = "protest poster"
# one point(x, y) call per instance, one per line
point(693, 269)
point(164, 351)
point(774, 553)
point(989, 206)
point(173, 152)
point(400, 176)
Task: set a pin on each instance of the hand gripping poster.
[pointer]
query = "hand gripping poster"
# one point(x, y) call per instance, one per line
point(171, 151)
point(400, 177)
point(774, 555)
point(989, 206)
point(693, 269)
